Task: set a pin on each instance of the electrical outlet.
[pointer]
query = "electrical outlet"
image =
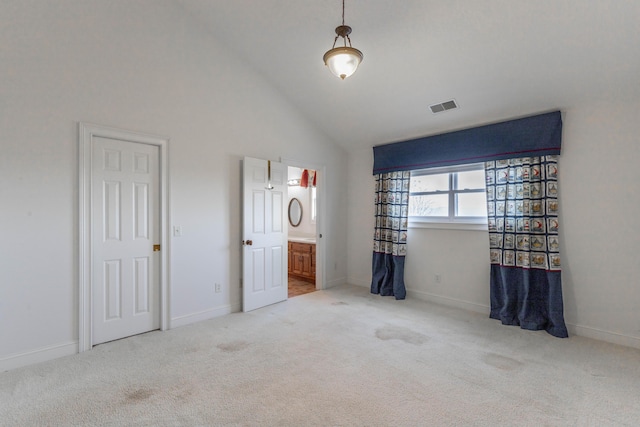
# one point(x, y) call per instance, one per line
point(438, 278)
point(218, 288)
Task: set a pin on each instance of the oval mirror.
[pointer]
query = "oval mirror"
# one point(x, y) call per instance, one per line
point(295, 212)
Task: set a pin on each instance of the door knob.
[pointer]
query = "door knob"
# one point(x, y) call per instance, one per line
point(247, 242)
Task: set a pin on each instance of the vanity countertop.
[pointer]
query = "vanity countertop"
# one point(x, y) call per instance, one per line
point(310, 240)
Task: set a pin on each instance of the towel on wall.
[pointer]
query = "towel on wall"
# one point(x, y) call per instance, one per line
point(308, 178)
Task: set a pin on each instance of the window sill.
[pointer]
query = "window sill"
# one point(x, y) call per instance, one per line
point(470, 226)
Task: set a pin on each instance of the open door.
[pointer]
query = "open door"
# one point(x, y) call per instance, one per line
point(264, 233)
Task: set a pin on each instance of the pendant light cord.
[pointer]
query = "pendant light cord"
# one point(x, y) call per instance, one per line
point(345, 38)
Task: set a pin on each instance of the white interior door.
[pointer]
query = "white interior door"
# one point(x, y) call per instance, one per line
point(126, 226)
point(264, 234)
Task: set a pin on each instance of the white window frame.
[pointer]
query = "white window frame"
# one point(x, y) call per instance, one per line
point(312, 204)
point(451, 221)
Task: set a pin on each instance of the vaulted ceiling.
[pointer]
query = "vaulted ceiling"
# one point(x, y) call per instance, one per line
point(498, 59)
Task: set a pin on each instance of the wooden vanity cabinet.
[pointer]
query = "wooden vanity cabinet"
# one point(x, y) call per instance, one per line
point(302, 261)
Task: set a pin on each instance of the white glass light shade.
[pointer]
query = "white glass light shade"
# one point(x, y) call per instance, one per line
point(343, 61)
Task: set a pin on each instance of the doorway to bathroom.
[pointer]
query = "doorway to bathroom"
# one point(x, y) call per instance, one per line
point(304, 238)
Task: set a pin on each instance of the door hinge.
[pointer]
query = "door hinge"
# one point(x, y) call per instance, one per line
point(156, 248)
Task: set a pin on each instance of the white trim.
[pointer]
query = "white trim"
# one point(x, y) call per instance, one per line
point(450, 302)
point(191, 318)
point(577, 330)
point(321, 215)
point(363, 282)
point(449, 225)
point(39, 355)
point(607, 336)
point(335, 282)
point(312, 202)
point(87, 132)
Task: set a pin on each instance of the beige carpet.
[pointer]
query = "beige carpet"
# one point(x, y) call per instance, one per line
point(341, 357)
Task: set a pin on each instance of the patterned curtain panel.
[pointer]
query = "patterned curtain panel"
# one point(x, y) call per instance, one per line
point(522, 205)
point(390, 236)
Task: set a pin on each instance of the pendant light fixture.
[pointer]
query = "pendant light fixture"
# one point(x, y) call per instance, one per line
point(343, 61)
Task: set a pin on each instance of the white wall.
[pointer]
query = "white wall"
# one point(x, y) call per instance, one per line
point(142, 66)
point(599, 204)
point(600, 201)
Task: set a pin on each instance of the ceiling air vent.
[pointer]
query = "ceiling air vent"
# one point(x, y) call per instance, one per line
point(448, 105)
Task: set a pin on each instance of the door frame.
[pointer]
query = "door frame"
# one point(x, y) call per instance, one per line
point(320, 215)
point(86, 134)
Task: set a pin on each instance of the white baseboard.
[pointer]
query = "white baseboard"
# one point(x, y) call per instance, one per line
point(335, 282)
point(18, 360)
point(579, 330)
point(429, 297)
point(358, 281)
point(450, 302)
point(600, 335)
point(574, 329)
point(188, 319)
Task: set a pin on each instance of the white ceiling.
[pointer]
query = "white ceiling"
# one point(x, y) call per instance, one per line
point(498, 59)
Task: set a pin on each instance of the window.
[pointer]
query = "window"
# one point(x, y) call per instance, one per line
point(448, 195)
point(312, 203)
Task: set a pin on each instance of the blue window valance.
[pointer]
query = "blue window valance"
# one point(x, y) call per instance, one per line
point(539, 135)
